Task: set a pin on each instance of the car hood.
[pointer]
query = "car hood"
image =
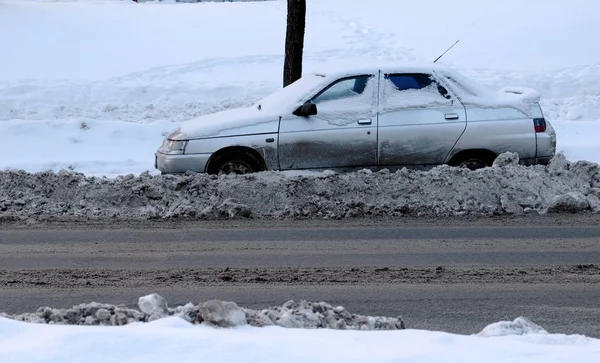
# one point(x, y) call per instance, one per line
point(239, 121)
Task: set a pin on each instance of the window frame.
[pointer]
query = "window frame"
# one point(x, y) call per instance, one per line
point(326, 88)
point(434, 81)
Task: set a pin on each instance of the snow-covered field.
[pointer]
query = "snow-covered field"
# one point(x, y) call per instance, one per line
point(95, 85)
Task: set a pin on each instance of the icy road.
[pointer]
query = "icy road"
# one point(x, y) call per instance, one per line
point(454, 275)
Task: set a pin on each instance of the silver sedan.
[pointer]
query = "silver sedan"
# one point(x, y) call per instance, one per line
point(373, 116)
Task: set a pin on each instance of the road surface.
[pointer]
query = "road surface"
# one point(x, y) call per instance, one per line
point(455, 277)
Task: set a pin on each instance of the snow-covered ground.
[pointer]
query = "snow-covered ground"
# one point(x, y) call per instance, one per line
point(95, 85)
point(175, 340)
point(218, 331)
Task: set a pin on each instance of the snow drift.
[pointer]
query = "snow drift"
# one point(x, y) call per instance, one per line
point(505, 188)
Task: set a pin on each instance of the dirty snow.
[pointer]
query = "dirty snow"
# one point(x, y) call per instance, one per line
point(174, 339)
point(226, 314)
point(133, 72)
point(506, 188)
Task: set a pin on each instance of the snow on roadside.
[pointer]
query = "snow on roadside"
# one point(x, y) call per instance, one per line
point(505, 188)
point(225, 314)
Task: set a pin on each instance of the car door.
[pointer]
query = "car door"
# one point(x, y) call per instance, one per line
point(419, 120)
point(343, 133)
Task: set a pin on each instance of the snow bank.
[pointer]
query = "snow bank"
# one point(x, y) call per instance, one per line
point(226, 314)
point(173, 340)
point(506, 188)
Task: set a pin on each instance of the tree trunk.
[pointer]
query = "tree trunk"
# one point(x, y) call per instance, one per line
point(294, 41)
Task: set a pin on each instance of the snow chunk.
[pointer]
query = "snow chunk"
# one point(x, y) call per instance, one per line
point(153, 305)
point(519, 326)
point(232, 209)
point(572, 202)
point(103, 314)
point(558, 164)
point(588, 171)
point(506, 159)
point(222, 313)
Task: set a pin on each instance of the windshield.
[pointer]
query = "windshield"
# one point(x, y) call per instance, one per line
point(292, 94)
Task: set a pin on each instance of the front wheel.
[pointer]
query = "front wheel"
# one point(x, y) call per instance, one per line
point(234, 162)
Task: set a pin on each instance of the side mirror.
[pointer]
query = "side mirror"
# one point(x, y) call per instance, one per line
point(307, 109)
point(443, 91)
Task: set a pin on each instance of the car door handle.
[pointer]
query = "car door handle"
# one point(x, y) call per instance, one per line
point(451, 116)
point(365, 121)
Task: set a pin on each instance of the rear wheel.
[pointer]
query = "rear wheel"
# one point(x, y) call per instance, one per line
point(474, 163)
point(234, 161)
point(473, 160)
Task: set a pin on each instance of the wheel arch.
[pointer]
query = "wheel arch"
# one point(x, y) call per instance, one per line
point(463, 155)
point(227, 149)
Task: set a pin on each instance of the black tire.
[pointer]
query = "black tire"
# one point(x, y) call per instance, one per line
point(234, 161)
point(473, 160)
point(474, 163)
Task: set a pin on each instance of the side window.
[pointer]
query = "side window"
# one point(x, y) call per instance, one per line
point(344, 88)
point(405, 82)
point(417, 81)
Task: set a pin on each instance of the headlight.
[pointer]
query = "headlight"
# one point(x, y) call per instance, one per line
point(173, 147)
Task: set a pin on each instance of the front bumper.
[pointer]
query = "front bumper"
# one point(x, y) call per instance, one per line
point(175, 164)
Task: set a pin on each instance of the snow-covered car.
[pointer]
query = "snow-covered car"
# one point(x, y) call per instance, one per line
point(375, 116)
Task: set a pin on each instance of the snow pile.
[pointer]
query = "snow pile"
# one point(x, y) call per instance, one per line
point(506, 188)
point(173, 340)
point(303, 314)
point(519, 326)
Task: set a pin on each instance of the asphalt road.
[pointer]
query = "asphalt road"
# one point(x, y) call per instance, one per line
point(456, 278)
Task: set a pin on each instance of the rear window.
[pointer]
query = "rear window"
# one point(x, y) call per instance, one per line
point(408, 81)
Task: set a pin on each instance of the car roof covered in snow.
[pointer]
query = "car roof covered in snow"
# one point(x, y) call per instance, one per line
point(340, 70)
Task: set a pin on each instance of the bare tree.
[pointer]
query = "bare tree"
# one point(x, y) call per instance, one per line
point(294, 41)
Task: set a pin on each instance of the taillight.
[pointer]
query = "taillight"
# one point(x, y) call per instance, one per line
point(539, 124)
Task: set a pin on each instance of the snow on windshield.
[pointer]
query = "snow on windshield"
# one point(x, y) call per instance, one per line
point(292, 94)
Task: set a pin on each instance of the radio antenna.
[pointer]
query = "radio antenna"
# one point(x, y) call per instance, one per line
point(452, 46)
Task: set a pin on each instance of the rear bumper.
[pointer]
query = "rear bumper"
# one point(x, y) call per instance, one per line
point(176, 164)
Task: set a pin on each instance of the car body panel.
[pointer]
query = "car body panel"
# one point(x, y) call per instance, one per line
point(174, 164)
point(417, 132)
point(235, 122)
point(342, 134)
point(264, 144)
point(488, 129)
